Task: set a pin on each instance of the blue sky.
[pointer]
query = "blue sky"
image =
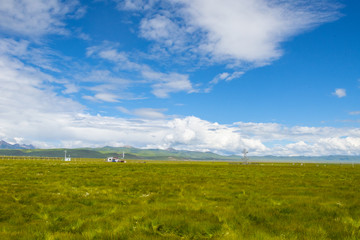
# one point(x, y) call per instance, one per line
point(274, 77)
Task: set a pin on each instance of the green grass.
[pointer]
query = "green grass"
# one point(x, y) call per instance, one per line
point(92, 199)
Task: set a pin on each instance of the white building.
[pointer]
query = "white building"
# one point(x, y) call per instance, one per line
point(112, 159)
point(115, 159)
point(67, 159)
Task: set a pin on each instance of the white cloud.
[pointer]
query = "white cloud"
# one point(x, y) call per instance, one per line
point(105, 77)
point(135, 4)
point(107, 97)
point(233, 76)
point(145, 113)
point(236, 31)
point(354, 113)
point(28, 106)
point(121, 59)
point(149, 113)
point(168, 83)
point(321, 147)
point(13, 47)
point(36, 18)
point(104, 96)
point(340, 92)
point(274, 132)
point(70, 88)
point(225, 76)
point(163, 84)
point(105, 86)
point(22, 49)
point(123, 110)
point(90, 98)
point(37, 115)
point(32, 112)
point(158, 27)
point(162, 29)
point(36, 59)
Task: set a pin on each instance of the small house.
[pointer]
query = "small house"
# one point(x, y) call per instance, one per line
point(115, 159)
point(112, 159)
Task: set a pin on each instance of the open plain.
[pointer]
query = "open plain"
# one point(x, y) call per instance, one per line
point(93, 199)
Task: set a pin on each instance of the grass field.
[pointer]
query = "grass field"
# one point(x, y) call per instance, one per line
point(92, 199)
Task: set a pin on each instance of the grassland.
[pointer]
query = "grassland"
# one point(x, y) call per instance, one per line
point(91, 199)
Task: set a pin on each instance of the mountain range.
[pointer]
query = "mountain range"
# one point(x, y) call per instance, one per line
point(5, 145)
point(158, 154)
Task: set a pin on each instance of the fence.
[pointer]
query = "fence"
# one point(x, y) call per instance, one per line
point(30, 158)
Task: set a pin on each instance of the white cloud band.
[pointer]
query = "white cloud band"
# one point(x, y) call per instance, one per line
point(239, 31)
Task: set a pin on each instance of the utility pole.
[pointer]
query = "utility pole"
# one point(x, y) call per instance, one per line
point(245, 152)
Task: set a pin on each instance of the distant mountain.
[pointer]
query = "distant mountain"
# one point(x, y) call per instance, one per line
point(157, 154)
point(5, 145)
point(130, 153)
point(163, 154)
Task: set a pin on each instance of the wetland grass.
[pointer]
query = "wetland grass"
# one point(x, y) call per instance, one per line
point(92, 199)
